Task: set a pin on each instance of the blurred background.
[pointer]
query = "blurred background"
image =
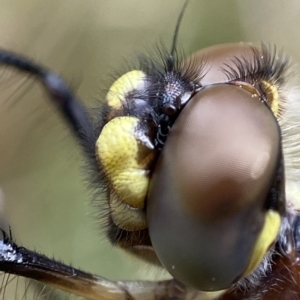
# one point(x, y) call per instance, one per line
point(43, 193)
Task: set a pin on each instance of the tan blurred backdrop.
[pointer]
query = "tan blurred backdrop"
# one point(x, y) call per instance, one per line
point(46, 201)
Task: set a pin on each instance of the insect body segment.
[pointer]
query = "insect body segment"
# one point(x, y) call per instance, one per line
point(141, 106)
point(126, 155)
point(235, 147)
point(221, 100)
point(218, 204)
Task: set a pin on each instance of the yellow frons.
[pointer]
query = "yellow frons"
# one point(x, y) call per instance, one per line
point(125, 154)
point(265, 239)
point(133, 80)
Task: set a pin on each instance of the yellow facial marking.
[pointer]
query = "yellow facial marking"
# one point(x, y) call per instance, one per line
point(126, 155)
point(272, 96)
point(133, 80)
point(126, 217)
point(271, 93)
point(265, 239)
point(211, 295)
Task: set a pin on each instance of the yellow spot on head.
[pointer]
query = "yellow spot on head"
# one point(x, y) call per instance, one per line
point(272, 97)
point(126, 154)
point(265, 240)
point(133, 80)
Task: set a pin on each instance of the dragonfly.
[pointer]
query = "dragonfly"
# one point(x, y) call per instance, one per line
point(240, 76)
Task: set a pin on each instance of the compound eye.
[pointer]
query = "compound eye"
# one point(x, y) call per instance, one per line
point(207, 208)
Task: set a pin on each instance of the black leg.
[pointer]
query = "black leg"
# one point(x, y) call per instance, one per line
point(73, 111)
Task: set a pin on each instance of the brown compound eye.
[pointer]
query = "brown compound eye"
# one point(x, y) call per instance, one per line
point(262, 71)
point(211, 212)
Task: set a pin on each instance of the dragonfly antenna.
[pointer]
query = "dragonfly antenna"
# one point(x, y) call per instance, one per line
point(178, 23)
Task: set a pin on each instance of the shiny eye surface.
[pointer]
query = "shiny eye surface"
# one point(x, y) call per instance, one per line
point(224, 195)
point(191, 155)
point(211, 212)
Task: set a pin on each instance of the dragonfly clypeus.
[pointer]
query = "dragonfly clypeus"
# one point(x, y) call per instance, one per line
point(269, 67)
